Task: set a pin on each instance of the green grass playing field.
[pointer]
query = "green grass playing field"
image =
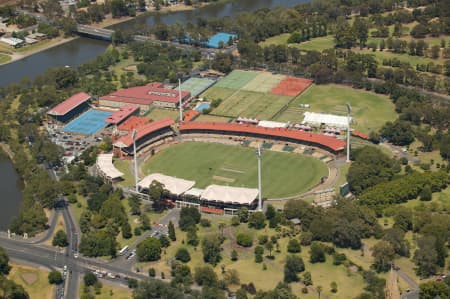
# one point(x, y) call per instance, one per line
point(284, 174)
point(370, 111)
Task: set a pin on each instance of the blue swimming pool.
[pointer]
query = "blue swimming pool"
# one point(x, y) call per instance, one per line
point(202, 107)
point(88, 123)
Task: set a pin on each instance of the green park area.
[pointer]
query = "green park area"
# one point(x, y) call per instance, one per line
point(107, 291)
point(284, 174)
point(315, 44)
point(369, 110)
point(34, 281)
point(4, 58)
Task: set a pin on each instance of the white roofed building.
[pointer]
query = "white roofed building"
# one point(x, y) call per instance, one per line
point(272, 124)
point(331, 120)
point(226, 195)
point(173, 185)
point(106, 169)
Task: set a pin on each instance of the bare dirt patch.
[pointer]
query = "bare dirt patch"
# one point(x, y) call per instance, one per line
point(29, 278)
point(223, 179)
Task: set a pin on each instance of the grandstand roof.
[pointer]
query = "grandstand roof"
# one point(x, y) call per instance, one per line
point(174, 185)
point(190, 115)
point(105, 165)
point(330, 142)
point(69, 104)
point(328, 119)
point(133, 122)
point(146, 95)
point(360, 135)
point(143, 131)
point(226, 194)
point(121, 114)
point(272, 124)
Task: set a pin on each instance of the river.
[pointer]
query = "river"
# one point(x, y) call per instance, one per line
point(81, 50)
point(10, 190)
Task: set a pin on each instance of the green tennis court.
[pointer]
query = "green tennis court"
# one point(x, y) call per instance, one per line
point(237, 79)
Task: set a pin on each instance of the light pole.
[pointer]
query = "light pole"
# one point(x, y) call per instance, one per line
point(181, 104)
point(135, 160)
point(349, 111)
point(259, 155)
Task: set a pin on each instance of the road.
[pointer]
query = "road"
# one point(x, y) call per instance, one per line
point(413, 286)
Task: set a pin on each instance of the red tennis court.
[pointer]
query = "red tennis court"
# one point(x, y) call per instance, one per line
point(291, 86)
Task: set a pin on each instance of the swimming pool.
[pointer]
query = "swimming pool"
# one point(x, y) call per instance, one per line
point(202, 107)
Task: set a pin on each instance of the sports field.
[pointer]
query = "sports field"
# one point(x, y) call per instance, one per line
point(370, 110)
point(284, 174)
point(196, 85)
point(236, 79)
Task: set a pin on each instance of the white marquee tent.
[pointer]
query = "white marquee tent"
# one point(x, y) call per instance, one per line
point(174, 185)
point(226, 194)
point(317, 119)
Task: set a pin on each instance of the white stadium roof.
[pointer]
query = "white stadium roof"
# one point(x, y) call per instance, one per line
point(174, 185)
point(313, 118)
point(272, 124)
point(226, 194)
point(105, 165)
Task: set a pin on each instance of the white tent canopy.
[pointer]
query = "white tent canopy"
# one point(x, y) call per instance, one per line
point(174, 185)
point(317, 119)
point(226, 194)
point(106, 167)
point(272, 124)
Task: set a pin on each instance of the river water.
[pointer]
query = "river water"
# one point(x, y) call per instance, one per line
point(81, 50)
point(10, 193)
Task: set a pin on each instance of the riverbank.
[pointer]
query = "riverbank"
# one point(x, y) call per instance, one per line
point(9, 55)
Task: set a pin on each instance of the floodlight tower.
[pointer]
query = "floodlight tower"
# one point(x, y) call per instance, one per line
point(259, 155)
point(135, 160)
point(349, 111)
point(181, 104)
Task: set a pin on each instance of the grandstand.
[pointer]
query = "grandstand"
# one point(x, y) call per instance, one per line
point(328, 143)
point(318, 119)
point(133, 122)
point(153, 94)
point(70, 108)
point(174, 186)
point(229, 197)
point(146, 135)
point(106, 169)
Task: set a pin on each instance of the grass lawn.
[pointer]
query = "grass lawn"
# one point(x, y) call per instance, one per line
point(343, 170)
point(4, 58)
point(252, 104)
point(216, 92)
point(159, 113)
point(284, 174)
point(110, 291)
point(33, 280)
point(124, 166)
point(315, 44)
point(79, 207)
point(403, 57)
point(369, 110)
point(439, 201)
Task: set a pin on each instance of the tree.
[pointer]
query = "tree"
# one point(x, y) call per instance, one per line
point(307, 280)
point(60, 239)
point(269, 247)
point(293, 246)
point(426, 193)
point(4, 262)
point(244, 240)
point(433, 289)
point(181, 274)
point(234, 255)
point(294, 265)
point(153, 288)
point(383, 254)
point(191, 236)
point(231, 277)
point(156, 192)
point(403, 219)
point(361, 29)
point(426, 257)
point(189, 216)
point(171, 231)
point(396, 237)
point(211, 249)
point(165, 242)
point(149, 250)
point(257, 220)
point(90, 279)
point(10, 289)
point(135, 205)
point(243, 215)
point(126, 230)
point(205, 276)
point(183, 255)
point(317, 253)
point(55, 277)
point(241, 294)
point(333, 287)
point(398, 132)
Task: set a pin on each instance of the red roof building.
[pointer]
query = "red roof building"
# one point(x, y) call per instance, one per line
point(133, 122)
point(145, 96)
point(190, 115)
point(327, 142)
point(360, 135)
point(142, 132)
point(69, 104)
point(121, 115)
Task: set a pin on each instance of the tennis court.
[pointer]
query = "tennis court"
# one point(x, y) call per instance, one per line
point(196, 86)
point(263, 82)
point(88, 123)
point(236, 79)
point(217, 39)
point(291, 86)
